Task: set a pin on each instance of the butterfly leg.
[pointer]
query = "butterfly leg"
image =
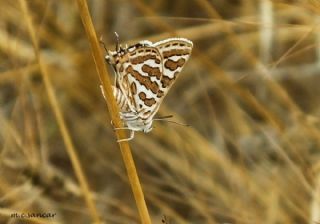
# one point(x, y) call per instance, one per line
point(127, 139)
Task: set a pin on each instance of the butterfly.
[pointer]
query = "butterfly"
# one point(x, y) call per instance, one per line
point(145, 72)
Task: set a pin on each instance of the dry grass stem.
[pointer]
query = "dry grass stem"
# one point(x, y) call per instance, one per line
point(113, 110)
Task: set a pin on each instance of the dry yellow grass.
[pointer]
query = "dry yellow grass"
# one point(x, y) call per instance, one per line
point(250, 92)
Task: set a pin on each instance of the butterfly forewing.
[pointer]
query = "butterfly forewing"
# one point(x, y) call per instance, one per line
point(140, 79)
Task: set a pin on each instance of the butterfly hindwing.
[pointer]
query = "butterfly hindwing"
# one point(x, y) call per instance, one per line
point(175, 52)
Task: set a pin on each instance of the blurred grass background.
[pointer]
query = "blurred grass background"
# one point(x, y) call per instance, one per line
point(250, 91)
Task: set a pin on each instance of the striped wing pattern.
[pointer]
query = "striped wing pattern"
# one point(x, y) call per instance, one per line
point(175, 52)
point(141, 79)
point(144, 74)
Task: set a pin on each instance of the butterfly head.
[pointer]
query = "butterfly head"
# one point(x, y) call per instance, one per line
point(111, 57)
point(116, 58)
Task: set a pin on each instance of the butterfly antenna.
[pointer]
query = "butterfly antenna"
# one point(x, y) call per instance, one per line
point(103, 44)
point(164, 118)
point(117, 41)
point(182, 124)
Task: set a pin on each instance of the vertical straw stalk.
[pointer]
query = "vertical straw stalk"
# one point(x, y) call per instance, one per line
point(114, 113)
